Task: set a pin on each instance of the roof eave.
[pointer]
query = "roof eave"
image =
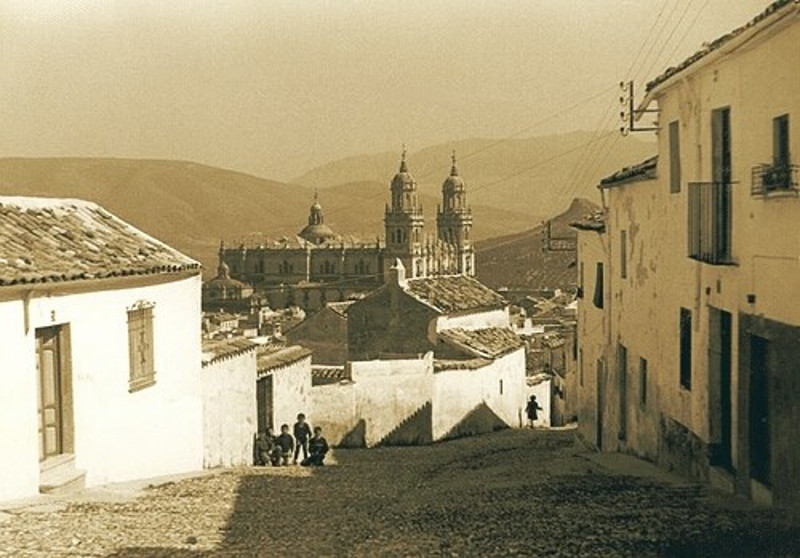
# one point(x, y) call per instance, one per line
point(712, 56)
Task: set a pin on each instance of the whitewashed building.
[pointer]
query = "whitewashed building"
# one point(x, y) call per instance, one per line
point(100, 351)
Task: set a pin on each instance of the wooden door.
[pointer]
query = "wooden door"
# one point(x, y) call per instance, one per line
point(51, 392)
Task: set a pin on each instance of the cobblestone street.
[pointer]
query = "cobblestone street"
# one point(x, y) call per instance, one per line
point(511, 493)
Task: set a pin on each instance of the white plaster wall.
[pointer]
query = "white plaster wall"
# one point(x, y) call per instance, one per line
point(478, 320)
point(19, 445)
point(456, 393)
point(593, 335)
point(118, 435)
point(229, 411)
point(389, 391)
point(334, 408)
point(291, 393)
point(543, 392)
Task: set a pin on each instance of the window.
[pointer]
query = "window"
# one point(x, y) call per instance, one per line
point(598, 286)
point(780, 141)
point(140, 346)
point(580, 280)
point(501, 387)
point(686, 348)
point(643, 382)
point(580, 367)
point(623, 254)
point(710, 206)
point(674, 157)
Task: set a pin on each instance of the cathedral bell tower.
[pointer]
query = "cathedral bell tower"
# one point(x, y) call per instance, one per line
point(404, 222)
point(454, 221)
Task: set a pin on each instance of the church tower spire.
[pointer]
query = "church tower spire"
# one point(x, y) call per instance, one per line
point(404, 222)
point(454, 220)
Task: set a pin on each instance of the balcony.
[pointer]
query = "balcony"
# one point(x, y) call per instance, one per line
point(710, 222)
point(774, 178)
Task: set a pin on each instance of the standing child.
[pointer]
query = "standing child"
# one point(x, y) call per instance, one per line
point(285, 443)
point(532, 410)
point(302, 432)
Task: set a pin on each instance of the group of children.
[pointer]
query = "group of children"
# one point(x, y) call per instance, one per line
point(278, 450)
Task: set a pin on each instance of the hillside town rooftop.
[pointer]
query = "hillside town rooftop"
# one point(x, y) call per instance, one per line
point(49, 240)
point(454, 293)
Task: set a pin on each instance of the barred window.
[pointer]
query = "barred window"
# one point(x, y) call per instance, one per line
point(140, 346)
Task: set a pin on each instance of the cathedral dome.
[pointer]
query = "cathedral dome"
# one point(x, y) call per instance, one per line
point(316, 231)
point(403, 178)
point(317, 234)
point(454, 182)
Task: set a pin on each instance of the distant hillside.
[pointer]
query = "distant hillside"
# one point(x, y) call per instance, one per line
point(192, 206)
point(520, 261)
point(529, 175)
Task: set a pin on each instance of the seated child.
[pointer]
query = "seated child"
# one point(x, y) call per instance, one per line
point(265, 446)
point(318, 447)
point(285, 443)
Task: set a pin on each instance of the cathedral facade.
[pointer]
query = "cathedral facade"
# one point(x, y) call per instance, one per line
point(317, 266)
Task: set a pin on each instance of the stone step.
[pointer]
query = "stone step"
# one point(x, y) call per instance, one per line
point(58, 475)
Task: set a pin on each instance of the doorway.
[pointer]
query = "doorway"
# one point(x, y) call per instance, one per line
point(720, 363)
point(759, 429)
point(54, 393)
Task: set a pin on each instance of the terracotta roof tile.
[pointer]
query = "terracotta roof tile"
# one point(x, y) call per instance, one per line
point(490, 342)
point(328, 374)
point(214, 351)
point(454, 293)
point(48, 240)
point(269, 358)
point(718, 43)
point(643, 171)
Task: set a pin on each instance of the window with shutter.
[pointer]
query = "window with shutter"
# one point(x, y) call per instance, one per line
point(140, 346)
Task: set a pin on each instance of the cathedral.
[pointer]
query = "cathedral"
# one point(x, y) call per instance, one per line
point(317, 266)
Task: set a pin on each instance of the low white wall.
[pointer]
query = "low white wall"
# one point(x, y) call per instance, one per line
point(390, 391)
point(334, 408)
point(499, 386)
point(229, 410)
point(291, 393)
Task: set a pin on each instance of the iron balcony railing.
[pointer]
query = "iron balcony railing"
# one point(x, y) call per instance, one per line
point(775, 177)
point(710, 222)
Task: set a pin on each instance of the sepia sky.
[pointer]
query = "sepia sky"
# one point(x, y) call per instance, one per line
point(276, 87)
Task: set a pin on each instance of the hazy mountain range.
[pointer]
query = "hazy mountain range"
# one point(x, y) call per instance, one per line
point(194, 206)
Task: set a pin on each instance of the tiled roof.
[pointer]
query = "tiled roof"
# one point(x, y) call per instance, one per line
point(48, 240)
point(270, 358)
point(340, 308)
point(214, 351)
point(454, 293)
point(718, 43)
point(490, 342)
point(328, 374)
point(643, 171)
point(440, 365)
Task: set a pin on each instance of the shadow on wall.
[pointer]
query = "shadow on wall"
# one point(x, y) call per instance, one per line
point(414, 430)
point(480, 420)
point(356, 437)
